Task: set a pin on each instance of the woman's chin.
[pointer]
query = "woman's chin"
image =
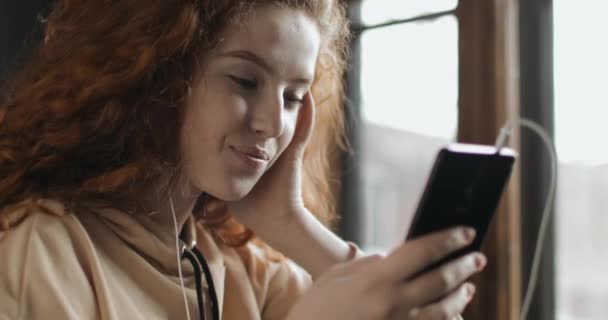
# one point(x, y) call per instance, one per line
point(232, 192)
point(231, 197)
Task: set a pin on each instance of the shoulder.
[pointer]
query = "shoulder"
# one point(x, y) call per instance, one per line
point(35, 230)
point(35, 222)
point(38, 254)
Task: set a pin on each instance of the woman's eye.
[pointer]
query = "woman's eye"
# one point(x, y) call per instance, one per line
point(294, 100)
point(245, 83)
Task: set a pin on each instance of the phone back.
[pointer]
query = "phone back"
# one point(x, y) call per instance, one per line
point(464, 188)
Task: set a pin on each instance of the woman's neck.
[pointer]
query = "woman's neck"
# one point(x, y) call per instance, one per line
point(162, 211)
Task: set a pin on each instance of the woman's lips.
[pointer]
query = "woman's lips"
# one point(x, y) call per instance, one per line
point(252, 157)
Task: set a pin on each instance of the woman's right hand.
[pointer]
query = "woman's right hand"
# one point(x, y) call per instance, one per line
point(393, 287)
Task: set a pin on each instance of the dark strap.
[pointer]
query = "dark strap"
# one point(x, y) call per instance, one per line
point(199, 287)
point(212, 293)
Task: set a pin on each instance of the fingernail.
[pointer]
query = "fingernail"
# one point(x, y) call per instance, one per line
point(480, 262)
point(470, 291)
point(469, 234)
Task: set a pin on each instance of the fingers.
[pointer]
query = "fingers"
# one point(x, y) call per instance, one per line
point(305, 124)
point(449, 307)
point(415, 255)
point(433, 285)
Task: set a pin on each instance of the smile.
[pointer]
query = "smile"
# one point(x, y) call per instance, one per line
point(251, 157)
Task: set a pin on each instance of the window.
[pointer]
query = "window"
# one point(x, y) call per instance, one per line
point(580, 70)
point(423, 74)
point(409, 108)
point(380, 11)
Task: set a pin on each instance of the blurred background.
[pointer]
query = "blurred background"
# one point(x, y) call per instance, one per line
point(547, 61)
point(428, 72)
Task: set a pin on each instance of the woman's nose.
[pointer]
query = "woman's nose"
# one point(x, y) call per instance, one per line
point(267, 117)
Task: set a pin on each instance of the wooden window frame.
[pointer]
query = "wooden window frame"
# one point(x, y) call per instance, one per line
point(489, 98)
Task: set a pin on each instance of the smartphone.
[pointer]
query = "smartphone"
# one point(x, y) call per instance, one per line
point(464, 188)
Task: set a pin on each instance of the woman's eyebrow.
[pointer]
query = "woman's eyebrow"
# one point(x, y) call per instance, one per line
point(249, 56)
point(254, 58)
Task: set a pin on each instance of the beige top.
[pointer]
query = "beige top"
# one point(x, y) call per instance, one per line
point(107, 265)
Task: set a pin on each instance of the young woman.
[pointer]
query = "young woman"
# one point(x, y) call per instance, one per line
point(147, 140)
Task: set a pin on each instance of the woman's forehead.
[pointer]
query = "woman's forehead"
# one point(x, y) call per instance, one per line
point(271, 24)
point(276, 35)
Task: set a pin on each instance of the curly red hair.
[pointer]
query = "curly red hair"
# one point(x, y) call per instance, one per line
point(95, 113)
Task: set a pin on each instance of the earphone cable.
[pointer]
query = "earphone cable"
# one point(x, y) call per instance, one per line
point(546, 213)
point(179, 265)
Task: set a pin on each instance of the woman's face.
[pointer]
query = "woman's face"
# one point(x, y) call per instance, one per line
point(244, 104)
